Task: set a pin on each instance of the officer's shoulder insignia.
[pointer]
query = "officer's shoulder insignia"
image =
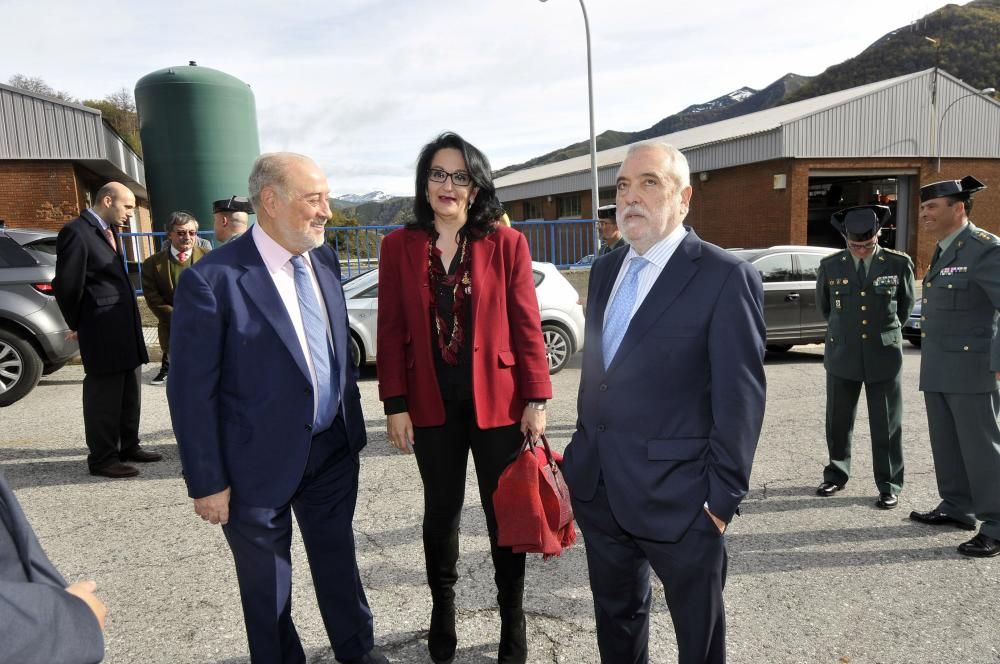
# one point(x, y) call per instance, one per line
point(985, 237)
point(895, 252)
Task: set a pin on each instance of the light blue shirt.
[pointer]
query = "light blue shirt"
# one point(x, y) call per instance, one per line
point(657, 256)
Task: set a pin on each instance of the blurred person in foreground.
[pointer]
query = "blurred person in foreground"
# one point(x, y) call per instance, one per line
point(670, 408)
point(42, 619)
point(267, 412)
point(461, 366)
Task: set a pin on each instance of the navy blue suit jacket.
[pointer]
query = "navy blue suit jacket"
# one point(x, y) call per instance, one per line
point(239, 389)
point(40, 622)
point(673, 423)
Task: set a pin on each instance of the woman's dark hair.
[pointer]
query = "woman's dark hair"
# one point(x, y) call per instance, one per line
point(485, 210)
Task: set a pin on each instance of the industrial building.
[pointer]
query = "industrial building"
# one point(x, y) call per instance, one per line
point(54, 156)
point(775, 176)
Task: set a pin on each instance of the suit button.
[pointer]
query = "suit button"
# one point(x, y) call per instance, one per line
point(965, 348)
point(923, 334)
point(309, 427)
point(864, 307)
point(949, 285)
point(864, 322)
point(925, 300)
point(864, 336)
point(923, 318)
point(862, 293)
point(601, 427)
point(928, 285)
point(604, 387)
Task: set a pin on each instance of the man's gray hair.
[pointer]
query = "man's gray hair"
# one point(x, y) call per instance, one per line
point(181, 218)
point(677, 164)
point(271, 170)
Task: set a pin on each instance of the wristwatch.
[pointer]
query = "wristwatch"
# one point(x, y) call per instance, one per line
point(537, 405)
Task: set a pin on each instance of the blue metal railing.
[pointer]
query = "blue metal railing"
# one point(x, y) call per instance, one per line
point(561, 242)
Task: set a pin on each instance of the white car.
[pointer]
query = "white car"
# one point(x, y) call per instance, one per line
point(562, 315)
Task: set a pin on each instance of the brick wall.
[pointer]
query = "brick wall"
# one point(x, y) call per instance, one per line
point(739, 207)
point(38, 194)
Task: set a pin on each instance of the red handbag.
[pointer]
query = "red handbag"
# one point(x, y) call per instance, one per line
point(532, 503)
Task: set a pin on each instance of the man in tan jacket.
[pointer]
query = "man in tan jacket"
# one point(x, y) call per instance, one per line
point(160, 273)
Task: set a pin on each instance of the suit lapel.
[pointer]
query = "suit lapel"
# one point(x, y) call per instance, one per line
point(416, 256)
point(482, 253)
point(672, 281)
point(324, 263)
point(258, 287)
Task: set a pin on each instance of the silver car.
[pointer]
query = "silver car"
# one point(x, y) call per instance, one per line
point(558, 301)
point(32, 330)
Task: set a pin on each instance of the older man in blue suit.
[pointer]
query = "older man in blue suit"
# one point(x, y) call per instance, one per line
point(267, 412)
point(670, 408)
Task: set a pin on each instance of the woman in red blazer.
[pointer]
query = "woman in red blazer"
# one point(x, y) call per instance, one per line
point(461, 366)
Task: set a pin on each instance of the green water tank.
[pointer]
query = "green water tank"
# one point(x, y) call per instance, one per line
point(198, 128)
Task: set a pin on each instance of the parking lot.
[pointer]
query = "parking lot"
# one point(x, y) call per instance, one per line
point(810, 579)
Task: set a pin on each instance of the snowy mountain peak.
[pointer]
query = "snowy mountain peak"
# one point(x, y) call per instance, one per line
point(370, 197)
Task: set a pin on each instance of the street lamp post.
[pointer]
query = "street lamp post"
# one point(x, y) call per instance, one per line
point(594, 195)
point(984, 91)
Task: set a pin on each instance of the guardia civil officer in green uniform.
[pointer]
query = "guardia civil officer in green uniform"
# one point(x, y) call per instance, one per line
point(960, 364)
point(865, 292)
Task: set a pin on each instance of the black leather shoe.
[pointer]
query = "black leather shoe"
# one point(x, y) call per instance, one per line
point(139, 455)
point(827, 489)
point(373, 656)
point(936, 518)
point(887, 501)
point(980, 546)
point(115, 471)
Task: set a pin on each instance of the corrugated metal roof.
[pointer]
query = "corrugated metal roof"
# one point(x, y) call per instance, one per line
point(893, 117)
point(34, 126)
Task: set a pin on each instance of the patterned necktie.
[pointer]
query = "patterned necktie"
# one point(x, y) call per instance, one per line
point(862, 274)
point(327, 382)
point(620, 311)
point(182, 256)
point(110, 237)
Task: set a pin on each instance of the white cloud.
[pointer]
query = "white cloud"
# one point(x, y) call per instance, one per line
point(361, 85)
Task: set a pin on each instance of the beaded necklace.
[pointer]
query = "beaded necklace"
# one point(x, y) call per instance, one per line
point(461, 285)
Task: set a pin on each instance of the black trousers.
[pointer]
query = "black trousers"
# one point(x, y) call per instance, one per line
point(693, 573)
point(442, 456)
point(110, 415)
point(260, 539)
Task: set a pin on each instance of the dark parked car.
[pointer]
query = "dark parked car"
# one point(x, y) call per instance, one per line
point(32, 331)
point(789, 275)
point(911, 329)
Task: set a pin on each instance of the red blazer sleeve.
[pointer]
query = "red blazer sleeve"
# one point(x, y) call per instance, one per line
point(391, 335)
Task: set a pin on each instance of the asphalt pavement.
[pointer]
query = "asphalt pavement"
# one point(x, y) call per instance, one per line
point(810, 579)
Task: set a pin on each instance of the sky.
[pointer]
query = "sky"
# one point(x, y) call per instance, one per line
point(361, 85)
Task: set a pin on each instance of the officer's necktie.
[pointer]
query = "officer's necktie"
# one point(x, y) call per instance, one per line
point(327, 383)
point(620, 311)
point(862, 274)
point(937, 255)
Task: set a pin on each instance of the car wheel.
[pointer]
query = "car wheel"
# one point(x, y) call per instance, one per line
point(779, 348)
point(355, 350)
point(558, 347)
point(20, 368)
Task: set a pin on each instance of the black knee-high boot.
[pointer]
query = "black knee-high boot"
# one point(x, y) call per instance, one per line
point(509, 575)
point(441, 557)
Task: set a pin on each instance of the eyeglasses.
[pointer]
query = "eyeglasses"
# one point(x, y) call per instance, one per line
point(458, 178)
point(184, 233)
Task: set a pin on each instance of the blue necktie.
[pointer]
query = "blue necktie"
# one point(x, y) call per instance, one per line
point(327, 382)
point(620, 311)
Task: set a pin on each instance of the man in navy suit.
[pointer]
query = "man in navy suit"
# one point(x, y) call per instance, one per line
point(267, 413)
point(670, 407)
